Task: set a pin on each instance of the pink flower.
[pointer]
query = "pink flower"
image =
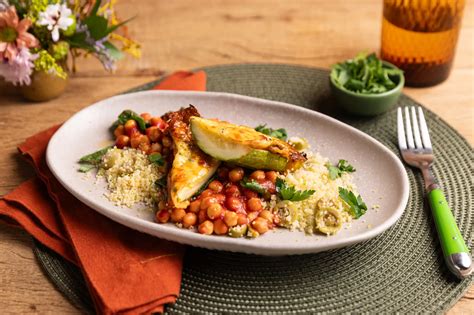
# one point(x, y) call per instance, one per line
point(14, 35)
point(19, 69)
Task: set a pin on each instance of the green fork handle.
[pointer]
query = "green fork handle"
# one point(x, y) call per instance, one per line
point(456, 253)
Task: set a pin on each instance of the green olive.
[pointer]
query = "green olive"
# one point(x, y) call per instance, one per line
point(328, 220)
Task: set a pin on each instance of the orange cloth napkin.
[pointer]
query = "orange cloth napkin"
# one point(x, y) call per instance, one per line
point(126, 271)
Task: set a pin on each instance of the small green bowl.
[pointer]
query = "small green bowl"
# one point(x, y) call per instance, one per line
point(368, 104)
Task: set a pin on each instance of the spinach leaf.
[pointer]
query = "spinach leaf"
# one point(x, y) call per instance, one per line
point(290, 193)
point(276, 133)
point(357, 205)
point(203, 187)
point(156, 158)
point(253, 185)
point(84, 168)
point(90, 161)
point(130, 114)
point(94, 158)
point(161, 182)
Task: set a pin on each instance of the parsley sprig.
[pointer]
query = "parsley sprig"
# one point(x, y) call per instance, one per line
point(276, 133)
point(342, 167)
point(290, 193)
point(357, 205)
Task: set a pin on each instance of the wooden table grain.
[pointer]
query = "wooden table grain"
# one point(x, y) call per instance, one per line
point(182, 34)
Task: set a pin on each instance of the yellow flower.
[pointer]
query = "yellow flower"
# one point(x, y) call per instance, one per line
point(129, 46)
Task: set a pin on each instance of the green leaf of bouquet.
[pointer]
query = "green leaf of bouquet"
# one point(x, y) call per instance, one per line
point(116, 26)
point(97, 26)
point(95, 8)
point(114, 52)
point(78, 40)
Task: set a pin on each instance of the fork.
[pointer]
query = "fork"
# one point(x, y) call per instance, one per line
point(415, 146)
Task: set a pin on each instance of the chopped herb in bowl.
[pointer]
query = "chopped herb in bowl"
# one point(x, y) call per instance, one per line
point(365, 74)
point(366, 85)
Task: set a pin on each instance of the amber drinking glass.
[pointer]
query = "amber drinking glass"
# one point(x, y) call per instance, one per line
point(420, 36)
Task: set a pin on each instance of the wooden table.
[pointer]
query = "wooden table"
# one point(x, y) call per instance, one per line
point(182, 34)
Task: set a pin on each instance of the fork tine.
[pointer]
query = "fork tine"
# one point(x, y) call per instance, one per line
point(416, 129)
point(402, 142)
point(411, 144)
point(425, 134)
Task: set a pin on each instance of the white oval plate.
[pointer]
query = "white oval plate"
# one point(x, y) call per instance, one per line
point(380, 176)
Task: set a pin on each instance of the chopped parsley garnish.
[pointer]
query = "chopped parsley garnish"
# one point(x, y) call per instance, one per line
point(156, 158)
point(290, 193)
point(253, 185)
point(92, 160)
point(357, 205)
point(342, 167)
point(276, 133)
point(365, 74)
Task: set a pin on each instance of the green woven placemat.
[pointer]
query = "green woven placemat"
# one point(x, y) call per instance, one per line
point(399, 271)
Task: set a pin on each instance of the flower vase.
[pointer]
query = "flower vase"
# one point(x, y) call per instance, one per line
point(43, 87)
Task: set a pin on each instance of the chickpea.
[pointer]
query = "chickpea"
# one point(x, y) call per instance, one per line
point(257, 175)
point(231, 218)
point(207, 202)
point(271, 176)
point(155, 147)
point(153, 133)
point(251, 216)
point(177, 214)
point(157, 121)
point(194, 206)
point(189, 219)
point(202, 216)
point(216, 186)
point(122, 141)
point(236, 174)
point(254, 204)
point(135, 141)
point(162, 216)
point(140, 142)
point(206, 193)
point(223, 172)
point(234, 204)
point(260, 225)
point(166, 141)
point(144, 147)
point(232, 190)
point(146, 117)
point(220, 198)
point(214, 211)
point(267, 215)
point(129, 126)
point(242, 219)
point(249, 193)
point(220, 228)
point(206, 227)
point(120, 130)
